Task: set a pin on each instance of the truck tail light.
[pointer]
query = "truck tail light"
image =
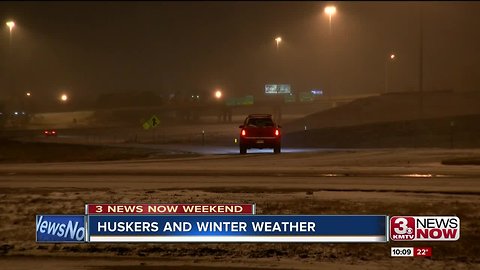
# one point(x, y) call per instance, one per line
point(277, 132)
point(244, 133)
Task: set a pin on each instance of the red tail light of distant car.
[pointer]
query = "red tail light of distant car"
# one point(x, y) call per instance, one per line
point(50, 133)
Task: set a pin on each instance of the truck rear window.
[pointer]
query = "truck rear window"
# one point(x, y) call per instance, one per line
point(260, 122)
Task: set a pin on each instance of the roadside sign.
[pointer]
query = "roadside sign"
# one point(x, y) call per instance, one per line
point(306, 97)
point(241, 101)
point(247, 100)
point(289, 98)
point(231, 102)
point(151, 123)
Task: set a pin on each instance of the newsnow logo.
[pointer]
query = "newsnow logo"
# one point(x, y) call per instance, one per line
point(424, 228)
point(53, 228)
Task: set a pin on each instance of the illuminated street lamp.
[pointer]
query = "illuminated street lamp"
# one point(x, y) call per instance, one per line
point(278, 40)
point(10, 25)
point(391, 58)
point(63, 97)
point(28, 94)
point(218, 94)
point(330, 11)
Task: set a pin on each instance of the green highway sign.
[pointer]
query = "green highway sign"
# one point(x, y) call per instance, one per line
point(289, 98)
point(306, 97)
point(246, 100)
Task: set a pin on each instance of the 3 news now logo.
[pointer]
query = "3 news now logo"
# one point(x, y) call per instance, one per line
point(424, 228)
point(60, 228)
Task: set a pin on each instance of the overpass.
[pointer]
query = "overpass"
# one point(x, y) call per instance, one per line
point(188, 112)
point(275, 105)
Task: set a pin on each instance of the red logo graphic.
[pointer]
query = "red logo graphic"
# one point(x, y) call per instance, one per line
point(424, 228)
point(402, 228)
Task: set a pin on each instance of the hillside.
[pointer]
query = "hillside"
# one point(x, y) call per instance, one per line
point(445, 132)
point(392, 107)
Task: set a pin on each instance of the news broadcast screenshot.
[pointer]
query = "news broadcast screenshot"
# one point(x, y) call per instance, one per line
point(239, 135)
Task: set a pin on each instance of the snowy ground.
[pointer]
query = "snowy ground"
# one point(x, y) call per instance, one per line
point(320, 181)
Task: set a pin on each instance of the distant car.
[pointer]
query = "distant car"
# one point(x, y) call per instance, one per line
point(260, 131)
point(50, 132)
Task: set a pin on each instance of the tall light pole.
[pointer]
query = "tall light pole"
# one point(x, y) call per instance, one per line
point(278, 61)
point(10, 25)
point(330, 11)
point(280, 72)
point(218, 94)
point(420, 68)
point(389, 59)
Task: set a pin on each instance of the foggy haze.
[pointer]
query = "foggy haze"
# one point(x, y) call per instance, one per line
point(92, 48)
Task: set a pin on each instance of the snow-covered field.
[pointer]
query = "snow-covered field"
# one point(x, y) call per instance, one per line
point(324, 181)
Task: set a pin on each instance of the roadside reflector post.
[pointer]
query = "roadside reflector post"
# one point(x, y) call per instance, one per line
point(305, 134)
point(203, 137)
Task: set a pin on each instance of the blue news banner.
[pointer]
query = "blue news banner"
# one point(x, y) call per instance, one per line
point(175, 228)
point(258, 228)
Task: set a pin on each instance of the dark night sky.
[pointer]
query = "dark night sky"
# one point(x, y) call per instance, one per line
point(87, 48)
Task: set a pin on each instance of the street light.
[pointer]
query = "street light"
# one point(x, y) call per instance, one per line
point(330, 11)
point(218, 94)
point(63, 97)
point(10, 25)
point(391, 58)
point(28, 94)
point(278, 40)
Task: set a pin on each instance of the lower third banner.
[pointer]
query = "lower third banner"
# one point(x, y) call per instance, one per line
point(259, 228)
